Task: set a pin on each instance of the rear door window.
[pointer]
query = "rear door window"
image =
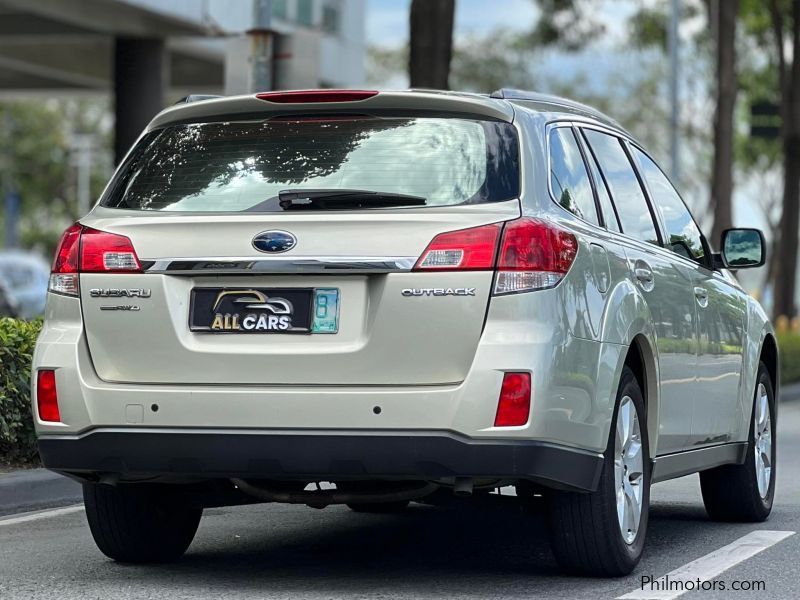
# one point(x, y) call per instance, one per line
point(604, 196)
point(683, 235)
point(243, 165)
point(626, 191)
point(569, 180)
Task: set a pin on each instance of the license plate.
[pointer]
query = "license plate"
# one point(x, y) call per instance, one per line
point(264, 310)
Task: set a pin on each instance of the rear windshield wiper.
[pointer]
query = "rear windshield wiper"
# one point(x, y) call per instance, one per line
point(337, 199)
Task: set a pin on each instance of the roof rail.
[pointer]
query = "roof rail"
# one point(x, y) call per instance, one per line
point(555, 101)
point(197, 98)
point(514, 94)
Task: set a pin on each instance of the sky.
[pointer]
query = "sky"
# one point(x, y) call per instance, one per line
point(387, 26)
point(387, 20)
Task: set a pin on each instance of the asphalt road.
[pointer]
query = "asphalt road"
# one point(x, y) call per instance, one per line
point(277, 551)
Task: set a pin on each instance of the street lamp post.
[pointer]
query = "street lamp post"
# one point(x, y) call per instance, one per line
point(674, 81)
point(82, 146)
point(8, 192)
point(261, 46)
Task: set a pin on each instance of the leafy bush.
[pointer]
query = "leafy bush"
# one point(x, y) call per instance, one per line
point(17, 437)
point(789, 350)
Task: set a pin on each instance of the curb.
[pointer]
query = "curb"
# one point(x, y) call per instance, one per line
point(35, 489)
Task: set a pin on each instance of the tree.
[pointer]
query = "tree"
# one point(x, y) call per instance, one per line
point(36, 158)
point(787, 23)
point(723, 14)
point(484, 63)
point(646, 107)
point(431, 43)
point(480, 63)
point(565, 24)
point(499, 59)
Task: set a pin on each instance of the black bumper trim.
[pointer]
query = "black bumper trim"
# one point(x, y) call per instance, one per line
point(346, 455)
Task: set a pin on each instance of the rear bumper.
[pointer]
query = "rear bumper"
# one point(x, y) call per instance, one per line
point(209, 454)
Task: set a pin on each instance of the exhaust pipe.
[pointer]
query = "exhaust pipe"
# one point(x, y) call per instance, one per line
point(463, 486)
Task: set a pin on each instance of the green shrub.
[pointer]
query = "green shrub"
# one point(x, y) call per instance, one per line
point(789, 350)
point(17, 437)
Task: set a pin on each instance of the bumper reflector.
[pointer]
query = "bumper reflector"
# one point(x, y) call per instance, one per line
point(514, 405)
point(46, 396)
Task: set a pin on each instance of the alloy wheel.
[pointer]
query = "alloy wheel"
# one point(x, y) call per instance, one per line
point(628, 469)
point(762, 437)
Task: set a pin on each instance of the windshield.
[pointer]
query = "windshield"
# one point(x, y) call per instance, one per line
point(235, 166)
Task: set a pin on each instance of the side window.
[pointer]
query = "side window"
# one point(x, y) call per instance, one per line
point(568, 177)
point(634, 213)
point(684, 236)
point(607, 207)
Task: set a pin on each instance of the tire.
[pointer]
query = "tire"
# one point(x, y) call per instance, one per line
point(731, 492)
point(139, 523)
point(585, 532)
point(380, 508)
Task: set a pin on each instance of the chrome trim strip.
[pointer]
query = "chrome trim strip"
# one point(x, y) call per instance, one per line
point(279, 264)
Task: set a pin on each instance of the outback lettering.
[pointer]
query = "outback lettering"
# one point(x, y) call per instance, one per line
point(439, 292)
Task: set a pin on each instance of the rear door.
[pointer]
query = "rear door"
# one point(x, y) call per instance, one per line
point(719, 382)
point(721, 309)
point(665, 285)
point(238, 288)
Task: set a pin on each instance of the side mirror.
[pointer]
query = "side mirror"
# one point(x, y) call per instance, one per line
point(743, 248)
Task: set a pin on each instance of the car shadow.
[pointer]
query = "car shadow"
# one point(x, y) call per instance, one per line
point(422, 551)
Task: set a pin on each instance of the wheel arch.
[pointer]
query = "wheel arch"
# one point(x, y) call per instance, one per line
point(642, 360)
point(628, 323)
point(769, 356)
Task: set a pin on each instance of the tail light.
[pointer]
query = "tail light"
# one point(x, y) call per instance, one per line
point(467, 249)
point(86, 250)
point(102, 251)
point(514, 404)
point(46, 396)
point(64, 274)
point(532, 254)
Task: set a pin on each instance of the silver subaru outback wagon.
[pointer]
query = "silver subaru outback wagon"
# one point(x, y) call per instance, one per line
point(410, 296)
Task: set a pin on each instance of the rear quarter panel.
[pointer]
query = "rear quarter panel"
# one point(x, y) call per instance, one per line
point(600, 308)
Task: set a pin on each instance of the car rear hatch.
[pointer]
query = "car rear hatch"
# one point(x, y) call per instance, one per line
point(279, 248)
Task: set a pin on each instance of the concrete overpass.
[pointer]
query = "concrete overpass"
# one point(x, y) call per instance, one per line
point(150, 52)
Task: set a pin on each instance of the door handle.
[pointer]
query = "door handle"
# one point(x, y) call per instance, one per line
point(701, 294)
point(644, 275)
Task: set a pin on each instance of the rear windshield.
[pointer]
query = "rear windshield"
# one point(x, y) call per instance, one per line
point(234, 166)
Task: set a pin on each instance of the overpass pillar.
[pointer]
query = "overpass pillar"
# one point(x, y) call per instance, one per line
point(140, 81)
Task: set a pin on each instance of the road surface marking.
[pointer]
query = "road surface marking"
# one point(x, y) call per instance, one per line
point(44, 514)
point(707, 567)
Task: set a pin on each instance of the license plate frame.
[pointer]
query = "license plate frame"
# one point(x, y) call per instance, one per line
point(264, 310)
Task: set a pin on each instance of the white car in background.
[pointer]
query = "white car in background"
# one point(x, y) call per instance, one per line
point(7, 306)
point(25, 275)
